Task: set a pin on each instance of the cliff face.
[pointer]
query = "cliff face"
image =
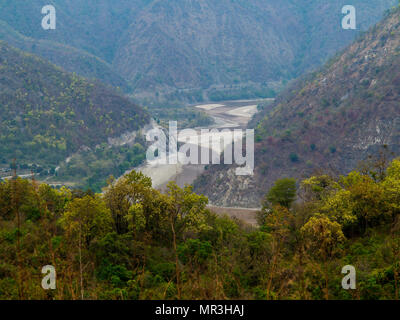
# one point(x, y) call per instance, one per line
point(331, 120)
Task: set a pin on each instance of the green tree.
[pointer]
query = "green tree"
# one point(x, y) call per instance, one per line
point(120, 195)
point(84, 220)
point(282, 193)
point(186, 213)
point(322, 238)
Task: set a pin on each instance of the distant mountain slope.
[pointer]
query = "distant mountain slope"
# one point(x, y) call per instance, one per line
point(161, 46)
point(331, 120)
point(47, 114)
point(93, 25)
point(69, 58)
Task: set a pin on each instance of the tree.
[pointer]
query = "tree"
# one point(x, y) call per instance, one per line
point(186, 213)
point(85, 219)
point(282, 193)
point(391, 188)
point(120, 195)
point(321, 239)
point(318, 187)
point(278, 225)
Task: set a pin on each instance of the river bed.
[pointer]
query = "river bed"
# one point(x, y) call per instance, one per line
point(230, 115)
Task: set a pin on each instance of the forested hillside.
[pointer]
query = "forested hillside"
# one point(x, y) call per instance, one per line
point(329, 120)
point(133, 242)
point(69, 58)
point(48, 115)
point(327, 176)
point(188, 50)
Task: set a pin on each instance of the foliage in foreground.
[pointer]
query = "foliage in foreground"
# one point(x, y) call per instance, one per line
point(133, 242)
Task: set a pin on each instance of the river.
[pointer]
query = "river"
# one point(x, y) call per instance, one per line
point(229, 114)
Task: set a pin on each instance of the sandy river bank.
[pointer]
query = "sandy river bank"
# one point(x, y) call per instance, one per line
point(232, 114)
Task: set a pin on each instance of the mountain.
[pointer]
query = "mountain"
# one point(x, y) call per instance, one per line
point(330, 120)
point(70, 59)
point(161, 47)
point(206, 43)
point(47, 114)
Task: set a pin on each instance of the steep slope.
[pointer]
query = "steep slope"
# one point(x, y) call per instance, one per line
point(160, 46)
point(331, 120)
point(47, 114)
point(191, 44)
point(70, 59)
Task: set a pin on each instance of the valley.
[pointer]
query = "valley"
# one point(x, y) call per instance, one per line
point(165, 52)
point(330, 121)
point(229, 114)
point(205, 150)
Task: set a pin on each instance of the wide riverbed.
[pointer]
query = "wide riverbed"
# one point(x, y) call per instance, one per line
point(229, 114)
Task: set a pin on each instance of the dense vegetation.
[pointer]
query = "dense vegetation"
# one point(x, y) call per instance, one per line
point(180, 98)
point(90, 169)
point(187, 117)
point(48, 115)
point(133, 242)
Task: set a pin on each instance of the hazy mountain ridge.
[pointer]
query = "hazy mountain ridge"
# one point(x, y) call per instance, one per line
point(331, 120)
point(161, 46)
point(70, 59)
